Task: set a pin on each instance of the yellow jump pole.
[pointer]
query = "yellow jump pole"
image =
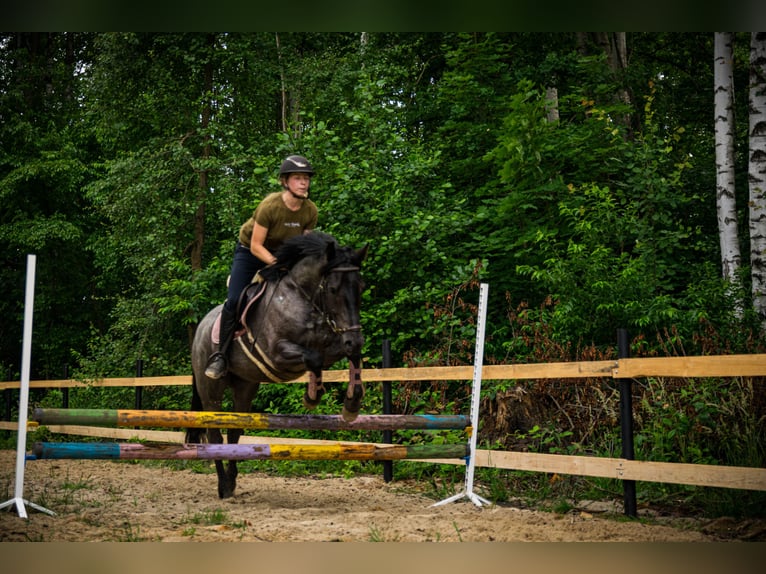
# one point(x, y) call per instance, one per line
point(253, 421)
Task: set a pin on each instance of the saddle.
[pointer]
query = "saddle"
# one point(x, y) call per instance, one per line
point(246, 304)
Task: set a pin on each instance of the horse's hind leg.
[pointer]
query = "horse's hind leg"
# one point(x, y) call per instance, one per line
point(227, 473)
point(225, 490)
point(195, 435)
point(232, 437)
point(213, 396)
point(244, 393)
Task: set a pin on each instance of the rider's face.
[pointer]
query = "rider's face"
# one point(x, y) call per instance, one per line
point(299, 183)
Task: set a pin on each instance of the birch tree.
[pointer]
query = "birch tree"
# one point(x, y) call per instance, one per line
point(726, 203)
point(614, 46)
point(757, 171)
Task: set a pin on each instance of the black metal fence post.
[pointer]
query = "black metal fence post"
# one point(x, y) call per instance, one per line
point(626, 424)
point(388, 465)
point(139, 389)
point(65, 390)
point(8, 397)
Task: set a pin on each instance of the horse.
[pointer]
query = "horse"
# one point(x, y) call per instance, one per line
point(306, 318)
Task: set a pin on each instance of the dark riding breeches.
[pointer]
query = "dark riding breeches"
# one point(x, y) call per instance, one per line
point(243, 268)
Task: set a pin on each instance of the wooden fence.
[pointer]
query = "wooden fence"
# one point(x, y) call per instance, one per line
point(618, 468)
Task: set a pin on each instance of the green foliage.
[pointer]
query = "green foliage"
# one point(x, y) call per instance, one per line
point(601, 234)
point(433, 148)
point(44, 160)
point(708, 421)
point(129, 161)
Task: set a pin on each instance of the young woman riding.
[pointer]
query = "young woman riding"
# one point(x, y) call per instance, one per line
point(281, 215)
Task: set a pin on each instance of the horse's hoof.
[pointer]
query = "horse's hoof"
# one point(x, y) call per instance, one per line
point(349, 416)
point(308, 403)
point(227, 487)
point(352, 405)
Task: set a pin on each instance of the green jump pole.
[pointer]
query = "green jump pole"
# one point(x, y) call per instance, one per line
point(135, 451)
point(254, 421)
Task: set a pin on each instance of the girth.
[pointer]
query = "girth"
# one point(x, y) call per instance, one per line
point(256, 355)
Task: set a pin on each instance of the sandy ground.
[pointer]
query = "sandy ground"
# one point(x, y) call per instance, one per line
point(120, 501)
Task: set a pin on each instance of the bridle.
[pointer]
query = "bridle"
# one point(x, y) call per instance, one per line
point(321, 307)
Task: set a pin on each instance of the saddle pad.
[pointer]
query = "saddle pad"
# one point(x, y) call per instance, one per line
point(250, 295)
point(215, 332)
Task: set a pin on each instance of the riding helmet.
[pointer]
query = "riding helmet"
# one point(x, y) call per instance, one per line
point(296, 164)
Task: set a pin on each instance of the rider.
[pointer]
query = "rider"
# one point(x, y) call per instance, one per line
point(281, 215)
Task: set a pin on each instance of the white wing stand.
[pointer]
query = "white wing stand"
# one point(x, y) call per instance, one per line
point(21, 444)
point(475, 400)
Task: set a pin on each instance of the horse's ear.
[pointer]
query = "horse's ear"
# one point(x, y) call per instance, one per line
point(361, 254)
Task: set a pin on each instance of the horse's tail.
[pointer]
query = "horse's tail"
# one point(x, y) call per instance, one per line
point(194, 435)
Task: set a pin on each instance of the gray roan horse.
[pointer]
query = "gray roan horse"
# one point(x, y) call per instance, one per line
point(305, 319)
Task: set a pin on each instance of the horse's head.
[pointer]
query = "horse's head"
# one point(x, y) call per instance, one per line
point(330, 277)
point(342, 294)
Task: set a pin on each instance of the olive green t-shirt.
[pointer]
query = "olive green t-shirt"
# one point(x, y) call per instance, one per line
point(282, 222)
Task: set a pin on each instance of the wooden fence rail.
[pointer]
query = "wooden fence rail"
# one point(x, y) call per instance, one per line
point(618, 468)
point(685, 367)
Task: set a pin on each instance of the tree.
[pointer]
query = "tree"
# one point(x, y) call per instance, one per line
point(158, 101)
point(726, 202)
point(757, 172)
point(45, 154)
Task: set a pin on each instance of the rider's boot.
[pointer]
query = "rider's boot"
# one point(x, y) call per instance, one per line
point(217, 364)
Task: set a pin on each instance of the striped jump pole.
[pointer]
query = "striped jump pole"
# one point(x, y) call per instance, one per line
point(253, 421)
point(135, 451)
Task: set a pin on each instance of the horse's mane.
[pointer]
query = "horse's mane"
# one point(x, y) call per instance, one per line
point(295, 249)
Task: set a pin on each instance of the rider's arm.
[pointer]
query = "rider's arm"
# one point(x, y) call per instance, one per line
point(257, 247)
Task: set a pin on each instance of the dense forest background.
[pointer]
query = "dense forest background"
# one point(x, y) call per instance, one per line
point(129, 161)
point(574, 173)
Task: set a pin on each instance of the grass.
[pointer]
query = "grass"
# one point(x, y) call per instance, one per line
point(375, 534)
point(457, 530)
point(131, 534)
point(210, 518)
point(215, 517)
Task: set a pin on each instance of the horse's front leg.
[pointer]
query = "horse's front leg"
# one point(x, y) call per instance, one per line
point(315, 387)
point(314, 390)
point(313, 363)
point(352, 400)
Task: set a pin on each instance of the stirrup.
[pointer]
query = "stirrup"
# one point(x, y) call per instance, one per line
point(216, 366)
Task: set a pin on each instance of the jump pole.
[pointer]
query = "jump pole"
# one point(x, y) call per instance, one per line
point(250, 421)
point(207, 451)
point(475, 401)
point(26, 354)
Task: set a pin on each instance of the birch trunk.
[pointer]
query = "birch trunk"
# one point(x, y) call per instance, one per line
point(757, 172)
point(726, 203)
point(615, 47)
point(552, 104)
